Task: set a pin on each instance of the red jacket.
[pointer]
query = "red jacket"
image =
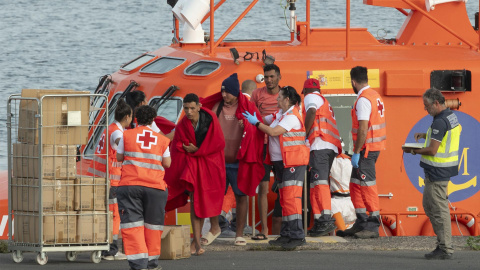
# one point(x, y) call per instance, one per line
point(250, 155)
point(202, 172)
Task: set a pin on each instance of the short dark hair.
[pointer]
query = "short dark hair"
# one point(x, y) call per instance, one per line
point(134, 98)
point(145, 115)
point(292, 94)
point(271, 67)
point(122, 110)
point(359, 74)
point(433, 95)
point(191, 98)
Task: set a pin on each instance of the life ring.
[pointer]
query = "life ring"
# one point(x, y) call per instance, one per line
point(391, 222)
point(467, 220)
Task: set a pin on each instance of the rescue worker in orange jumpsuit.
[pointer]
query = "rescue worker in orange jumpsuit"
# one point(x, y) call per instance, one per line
point(325, 145)
point(289, 154)
point(369, 137)
point(123, 118)
point(142, 192)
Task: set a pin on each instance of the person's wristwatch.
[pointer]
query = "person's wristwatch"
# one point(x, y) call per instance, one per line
point(257, 124)
point(412, 152)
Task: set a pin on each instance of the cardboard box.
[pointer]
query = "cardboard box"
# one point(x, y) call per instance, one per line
point(19, 194)
point(59, 161)
point(90, 194)
point(64, 119)
point(57, 195)
point(58, 228)
point(175, 242)
point(92, 227)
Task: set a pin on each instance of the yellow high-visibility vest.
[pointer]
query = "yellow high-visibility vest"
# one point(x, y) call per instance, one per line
point(447, 153)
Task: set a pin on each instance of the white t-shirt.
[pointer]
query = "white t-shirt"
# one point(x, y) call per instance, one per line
point(364, 107)
point(115, 135)
point(121, 145)
point(288, 122)
point(314, 101)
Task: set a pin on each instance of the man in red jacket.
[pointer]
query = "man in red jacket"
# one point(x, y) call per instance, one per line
point(198, 167)
point(244, 166)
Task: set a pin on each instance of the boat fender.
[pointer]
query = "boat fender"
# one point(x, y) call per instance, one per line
point(391, 222)
point(467, 220)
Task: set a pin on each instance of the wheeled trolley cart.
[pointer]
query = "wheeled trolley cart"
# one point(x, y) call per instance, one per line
point(51, 207)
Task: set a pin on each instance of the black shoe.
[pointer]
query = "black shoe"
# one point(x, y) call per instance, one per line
point(366, 234)
point(438, 254)
point(293, 243)
point(316, 224)
point(323, 229)
point(279, 241)
point(349, 232)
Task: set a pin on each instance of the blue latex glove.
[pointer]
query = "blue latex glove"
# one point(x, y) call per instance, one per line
point(355, 159)
point(252, 119)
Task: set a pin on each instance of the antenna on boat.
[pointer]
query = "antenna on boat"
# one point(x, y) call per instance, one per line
point(293, 17)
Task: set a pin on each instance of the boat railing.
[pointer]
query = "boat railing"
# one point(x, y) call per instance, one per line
point(214, 44)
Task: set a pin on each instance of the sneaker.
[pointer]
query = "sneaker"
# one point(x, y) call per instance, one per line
point(366, 234)
point(248, 231)
point(108, 257)
point(119, 256)
point(279, 241)
point(314, 227)
point(438, 254)
point(227, 234)
point(293, 243)
point(323, 229)
point(349, 232)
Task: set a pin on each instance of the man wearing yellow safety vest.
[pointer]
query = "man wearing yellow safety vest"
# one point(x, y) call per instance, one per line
point(369, 138)
point(439, 162)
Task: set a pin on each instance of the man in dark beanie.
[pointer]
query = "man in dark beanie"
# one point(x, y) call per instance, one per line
point(228, 106)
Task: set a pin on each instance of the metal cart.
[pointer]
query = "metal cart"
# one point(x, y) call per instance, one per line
point(55, 209)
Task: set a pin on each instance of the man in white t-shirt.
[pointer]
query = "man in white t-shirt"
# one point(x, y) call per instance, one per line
point(369, 138)
point(325, 145)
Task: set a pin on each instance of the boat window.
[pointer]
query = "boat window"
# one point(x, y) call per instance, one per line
point(171, 109)
point(92, 144)
point(202, 68)
point(342, 106)
point(162, 65)
point(138, 62)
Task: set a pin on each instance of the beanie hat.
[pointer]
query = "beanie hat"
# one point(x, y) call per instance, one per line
point(231, 85)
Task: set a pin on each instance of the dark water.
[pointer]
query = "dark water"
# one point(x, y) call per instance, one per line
point(54, 44)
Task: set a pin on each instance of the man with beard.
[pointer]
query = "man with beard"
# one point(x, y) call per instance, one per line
point(369, 138)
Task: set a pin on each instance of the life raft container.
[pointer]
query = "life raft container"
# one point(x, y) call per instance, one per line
point(465, 219)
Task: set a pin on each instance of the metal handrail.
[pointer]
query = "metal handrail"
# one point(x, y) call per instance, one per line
point(419, 9)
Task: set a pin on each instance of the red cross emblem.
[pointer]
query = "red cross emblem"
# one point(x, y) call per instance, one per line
point(381, 109)
point(146, 139)
point(292, 170)
point(316, 176)
point(363, 176)
point(101, 144)
point(331, 110)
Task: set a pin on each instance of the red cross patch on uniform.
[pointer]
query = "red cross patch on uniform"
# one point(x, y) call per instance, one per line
point(101, 144)
point(363, 176)
point(316, 176)
point(292, 170)
point(381, 108)
point(146, 140)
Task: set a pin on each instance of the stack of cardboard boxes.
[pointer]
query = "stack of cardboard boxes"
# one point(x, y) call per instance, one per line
point(74, 207)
